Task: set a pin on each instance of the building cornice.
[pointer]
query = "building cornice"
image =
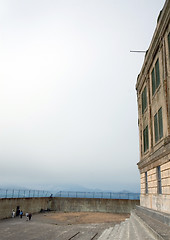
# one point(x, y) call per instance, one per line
point(154, 157)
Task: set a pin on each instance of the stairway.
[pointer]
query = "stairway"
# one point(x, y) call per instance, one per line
point(139, 226)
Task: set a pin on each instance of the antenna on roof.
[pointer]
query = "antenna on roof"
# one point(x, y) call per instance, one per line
point(134, 51)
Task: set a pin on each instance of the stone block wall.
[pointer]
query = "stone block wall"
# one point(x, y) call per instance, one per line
point(159, 202)
point(32, 205)
point(93, 205)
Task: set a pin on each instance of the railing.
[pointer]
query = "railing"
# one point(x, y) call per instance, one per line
point(104, 195)
point(13, 193)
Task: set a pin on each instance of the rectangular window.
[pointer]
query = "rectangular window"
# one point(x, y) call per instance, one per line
point(153, 82)
point(145, 139)
point(159, 180)
point(157, 73)
point(155, 77)
point(169, 43)
point(158, 125)
point(144, 100)
point(146, 183)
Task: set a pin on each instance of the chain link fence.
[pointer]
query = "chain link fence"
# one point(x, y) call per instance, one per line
point(13, 193)
point(104, 195)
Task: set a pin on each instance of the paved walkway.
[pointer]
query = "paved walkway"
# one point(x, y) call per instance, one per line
point(59, 226)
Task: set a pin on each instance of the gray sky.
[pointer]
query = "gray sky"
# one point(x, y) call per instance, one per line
point(68, 109)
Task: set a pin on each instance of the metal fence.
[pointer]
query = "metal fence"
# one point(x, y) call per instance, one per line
point(104, 195)
point(13, 193)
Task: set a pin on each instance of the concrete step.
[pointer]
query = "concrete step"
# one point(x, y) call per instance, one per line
point(156, 228)
point(139, 226)
point(119, 233)
point(114, 231)
point(132, 231)
point(160, 216)
point(125, 230)
point(140, 230)
point(105, 234)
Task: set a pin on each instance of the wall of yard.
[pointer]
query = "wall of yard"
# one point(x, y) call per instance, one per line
point(34, 205)
point(93, 205)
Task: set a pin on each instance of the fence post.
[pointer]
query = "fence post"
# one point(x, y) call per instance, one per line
point(6, 193)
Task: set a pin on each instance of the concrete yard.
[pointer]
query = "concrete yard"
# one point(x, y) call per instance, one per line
point(59, 226)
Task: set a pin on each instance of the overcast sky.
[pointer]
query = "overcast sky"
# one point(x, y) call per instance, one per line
point(68, 108)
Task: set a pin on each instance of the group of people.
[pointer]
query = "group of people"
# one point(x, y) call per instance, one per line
point(20, 213)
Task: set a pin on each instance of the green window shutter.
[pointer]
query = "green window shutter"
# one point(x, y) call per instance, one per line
point(169, 43)
point(146, 183)
point(144, 100)
point(144, 141)
point(160, 123)
point(156, 127)
point(147, 138)
point(159, 180)
point(153, 82)
point(157, 73)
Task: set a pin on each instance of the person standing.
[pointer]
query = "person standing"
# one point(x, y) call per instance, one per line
point(29, 216)
point(21, 213)
point(13, 213)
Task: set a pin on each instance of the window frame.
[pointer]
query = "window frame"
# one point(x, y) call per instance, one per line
point(144, 99)
point(158, 125)
point(159, 184)
point(155, 75)
point(169, 43)
point(145, 139)
point(146, 183)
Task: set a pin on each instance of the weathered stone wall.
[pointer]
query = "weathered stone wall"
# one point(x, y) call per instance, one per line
point(156, 153)
point(32, 205)
point(159, 202)
point(93, 205)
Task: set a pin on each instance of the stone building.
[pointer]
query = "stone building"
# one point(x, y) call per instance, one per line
point(153, 96)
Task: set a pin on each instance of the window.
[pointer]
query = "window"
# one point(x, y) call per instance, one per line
point(144, 100)
point(145, 139)
point(159, 180)
point(155, 77)
point(146, 183)
point(158, 125)
point(169, 43)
